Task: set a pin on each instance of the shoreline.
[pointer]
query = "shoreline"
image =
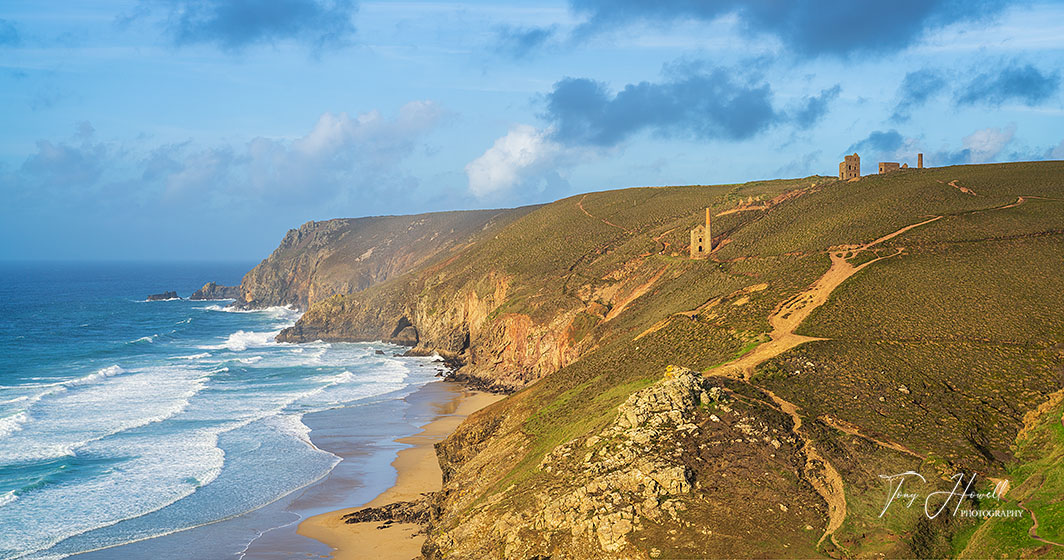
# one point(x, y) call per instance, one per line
point(418, 472)
point(363, 435)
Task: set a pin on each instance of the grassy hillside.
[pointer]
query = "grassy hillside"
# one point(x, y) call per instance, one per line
point(931, 353)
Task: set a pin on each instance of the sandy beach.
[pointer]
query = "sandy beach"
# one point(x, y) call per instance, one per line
point(418, 472)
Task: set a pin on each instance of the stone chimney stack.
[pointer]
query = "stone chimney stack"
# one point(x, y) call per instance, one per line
point(709, 230)
point(920, 161)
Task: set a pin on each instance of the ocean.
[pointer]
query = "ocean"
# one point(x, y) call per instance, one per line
point(123, 421)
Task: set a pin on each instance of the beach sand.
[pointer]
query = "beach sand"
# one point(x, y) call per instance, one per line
point(418, 472)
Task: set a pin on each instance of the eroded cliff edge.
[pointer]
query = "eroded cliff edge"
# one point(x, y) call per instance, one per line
point(343, 256)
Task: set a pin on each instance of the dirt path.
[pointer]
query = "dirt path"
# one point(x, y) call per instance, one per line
point(580, 204)
point(818, 471)
point(636, 294)
point(769, 203)
point(795, 310)
point(1033, 531)
point(963, 189)
point(847, 428)
point(1018, 202)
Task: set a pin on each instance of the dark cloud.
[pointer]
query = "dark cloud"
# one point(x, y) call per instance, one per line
point(806, 27)
point(703, 105)
point(9, 36)
point(879, 141)
point(814, 108)
point(915, 90)
point(234, 24)
point(695, 101)
point(519, 42)
point(1025, 84)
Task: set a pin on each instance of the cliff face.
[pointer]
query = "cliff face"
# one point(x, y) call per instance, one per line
point(343, 256)
point(498, 351)
point(213, 290)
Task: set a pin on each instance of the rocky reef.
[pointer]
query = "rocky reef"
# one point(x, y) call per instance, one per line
point(163, 296)
point(212, 290)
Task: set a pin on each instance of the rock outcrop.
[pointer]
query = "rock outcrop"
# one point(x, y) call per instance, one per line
point(625, 490)
point(395, 512)
point(212, 291)
point(163, 296)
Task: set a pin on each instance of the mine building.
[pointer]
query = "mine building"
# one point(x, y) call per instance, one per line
point(850, 168)
point(702, 238)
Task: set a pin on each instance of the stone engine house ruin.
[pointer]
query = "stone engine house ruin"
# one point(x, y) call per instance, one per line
point(702, 238)
point(850, 168)
point(888, 166)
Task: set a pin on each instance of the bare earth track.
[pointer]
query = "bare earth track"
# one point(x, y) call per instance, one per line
point(824, 478)
point(819, 472)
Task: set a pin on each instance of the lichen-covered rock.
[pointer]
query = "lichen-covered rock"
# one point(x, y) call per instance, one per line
point(619, 478)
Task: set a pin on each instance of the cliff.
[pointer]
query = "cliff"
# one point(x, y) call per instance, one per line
point(214, 291)
point(743, 405)
point(343, 256)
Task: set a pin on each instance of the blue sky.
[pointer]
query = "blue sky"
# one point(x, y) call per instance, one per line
point(203, 129)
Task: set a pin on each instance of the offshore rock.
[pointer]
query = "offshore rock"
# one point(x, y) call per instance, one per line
point(163, 296)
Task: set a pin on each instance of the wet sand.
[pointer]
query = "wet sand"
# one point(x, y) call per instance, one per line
point(418, 472)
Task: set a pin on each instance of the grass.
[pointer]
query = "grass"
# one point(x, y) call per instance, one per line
point(942, 349)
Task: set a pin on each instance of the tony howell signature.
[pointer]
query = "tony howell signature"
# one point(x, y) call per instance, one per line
point(938, 501)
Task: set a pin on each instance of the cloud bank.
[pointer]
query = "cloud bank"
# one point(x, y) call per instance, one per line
point(235, 24)
point(694, 102)
point(807, 28)
point(343, 159)
point(1024, 84)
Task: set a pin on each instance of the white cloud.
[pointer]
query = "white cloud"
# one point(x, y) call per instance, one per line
point(1058, 152)
point(341, 159)
point(984, 145)
point(342, 156)
point(525, 156)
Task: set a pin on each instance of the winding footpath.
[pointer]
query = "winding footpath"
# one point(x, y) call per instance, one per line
point(820, 473)
point(580, 204)
point(824, 478)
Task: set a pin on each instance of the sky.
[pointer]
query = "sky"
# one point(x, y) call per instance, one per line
point(205, 129)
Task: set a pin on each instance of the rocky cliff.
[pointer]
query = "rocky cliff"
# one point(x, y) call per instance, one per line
point(654, 479)
point(214, 291)
point(343, 256)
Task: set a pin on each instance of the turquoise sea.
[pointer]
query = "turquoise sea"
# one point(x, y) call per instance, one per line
point(123, 420)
